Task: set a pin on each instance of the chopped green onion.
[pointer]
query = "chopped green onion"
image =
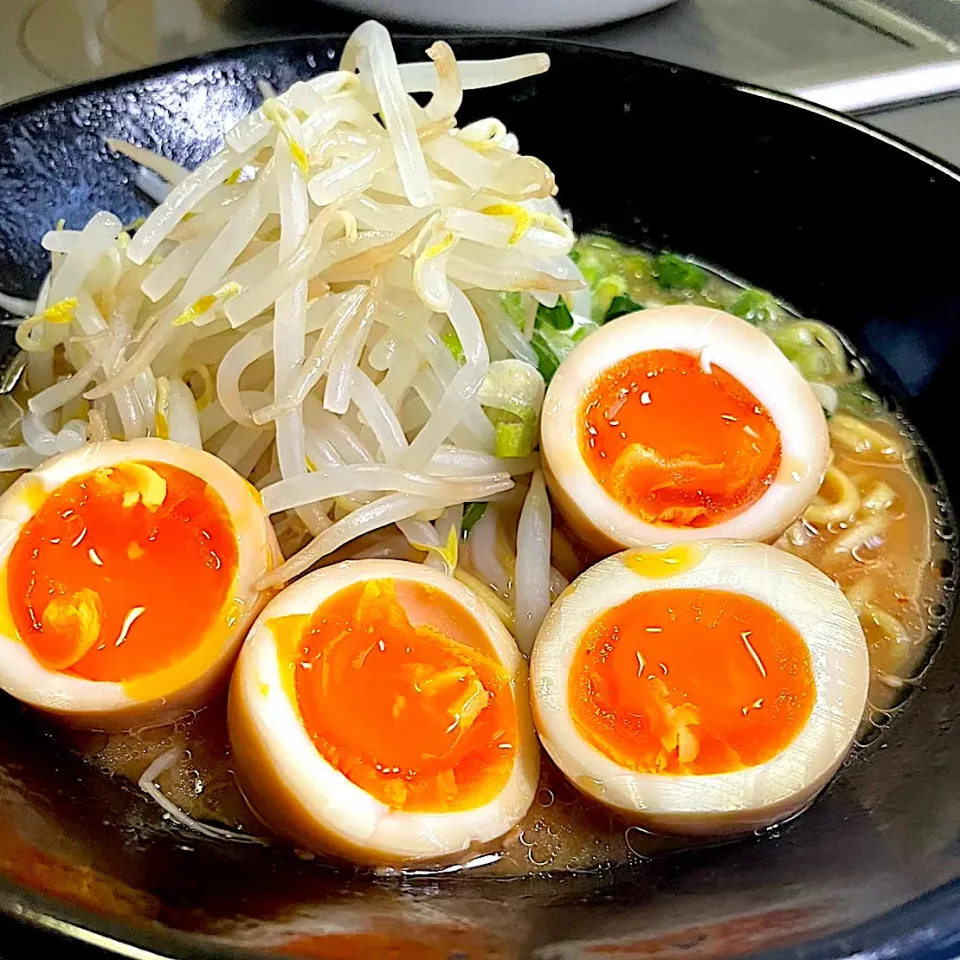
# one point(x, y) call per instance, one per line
point(557, 317)
point(453, 344)
point(472, 512)
point(675, 273)
point(636, 265)
point(860, 400)
point(754, 306)
point(591, 273)
point(800, 344)
point(605, 292)
point(620, 306)
point(551, 346)
point(512, 303)
point(547, 361)
point(512, 395)
point(559, 342)
point(514, 438)
point(583, 330)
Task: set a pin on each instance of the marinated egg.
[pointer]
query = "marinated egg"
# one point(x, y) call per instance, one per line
point(379, 711)
point(679, 423)
point(700, 688)
point(129, 574)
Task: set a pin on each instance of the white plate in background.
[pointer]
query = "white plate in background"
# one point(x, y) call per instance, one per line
point(504, 15)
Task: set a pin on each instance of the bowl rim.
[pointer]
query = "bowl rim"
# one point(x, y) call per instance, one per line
point(924, 928)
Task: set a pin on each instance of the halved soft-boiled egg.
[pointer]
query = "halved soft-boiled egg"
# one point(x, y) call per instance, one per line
point(700, 688)
point(679, 423)
point(379, 711)
point(129, 575)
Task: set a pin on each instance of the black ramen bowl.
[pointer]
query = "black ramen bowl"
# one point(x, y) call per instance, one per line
point(849, 226)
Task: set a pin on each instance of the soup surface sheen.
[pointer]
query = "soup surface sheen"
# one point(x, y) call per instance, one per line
point(873, 528)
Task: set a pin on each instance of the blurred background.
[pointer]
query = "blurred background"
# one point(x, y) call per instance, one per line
point(895, 62)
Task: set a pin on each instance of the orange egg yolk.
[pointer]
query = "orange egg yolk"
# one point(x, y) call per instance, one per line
point(420, 720)
point(122, 571)
point(676, 445)
point(691, 682)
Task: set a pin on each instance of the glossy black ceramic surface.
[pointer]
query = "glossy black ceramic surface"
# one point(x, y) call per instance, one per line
point(847, 225)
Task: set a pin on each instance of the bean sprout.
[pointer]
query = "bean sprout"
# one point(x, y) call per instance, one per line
point(318, 305)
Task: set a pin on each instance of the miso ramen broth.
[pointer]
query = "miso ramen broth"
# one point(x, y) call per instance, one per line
point(878, 527)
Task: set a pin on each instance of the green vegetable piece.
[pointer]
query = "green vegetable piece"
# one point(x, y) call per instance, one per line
point(547, 361)
point(557, 317)
point(512, 304)
point(605, 292)
point(812, 361)
point(514, 438)
point(471, 514)
point(636, 265)
point(583, 330)
point(812, 348)
point(591, 273)
point(559, 342)
point(620, 306)
point(860, 400)
point(551, 346)
point(515, 431)
point(454, 345)
point(675, 273)
point(755, 306)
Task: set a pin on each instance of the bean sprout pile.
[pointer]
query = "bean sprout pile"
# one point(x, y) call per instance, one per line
point(340, 304)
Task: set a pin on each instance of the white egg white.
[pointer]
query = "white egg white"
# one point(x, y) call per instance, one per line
point(305, 798)
point(715, 337)
point(168, 694)
point(725, 803)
